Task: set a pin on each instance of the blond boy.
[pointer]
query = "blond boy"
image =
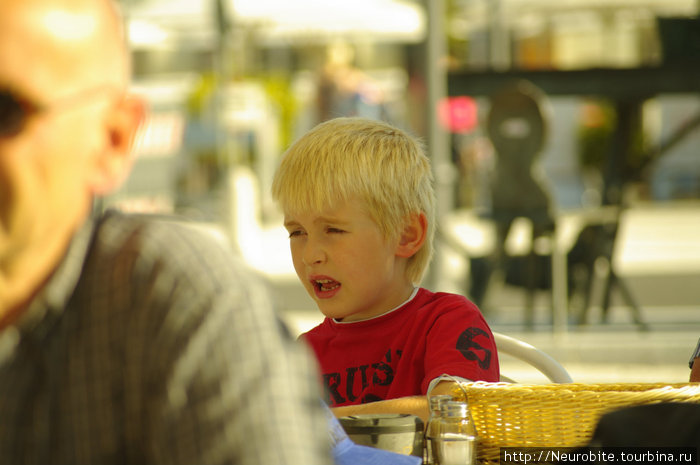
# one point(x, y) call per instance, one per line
point(359, 205)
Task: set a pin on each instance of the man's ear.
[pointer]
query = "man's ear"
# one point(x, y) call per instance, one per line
point(413, 235)
point(114, 162)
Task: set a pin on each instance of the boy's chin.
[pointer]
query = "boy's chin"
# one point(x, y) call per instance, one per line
point(330, 312)
point(339, 316)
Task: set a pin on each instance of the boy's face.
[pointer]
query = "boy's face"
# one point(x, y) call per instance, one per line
point(345, 264)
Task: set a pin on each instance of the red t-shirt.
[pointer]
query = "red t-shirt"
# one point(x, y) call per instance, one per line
point(397, 354)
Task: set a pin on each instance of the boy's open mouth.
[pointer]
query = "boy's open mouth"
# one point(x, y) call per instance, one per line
point(324, 286)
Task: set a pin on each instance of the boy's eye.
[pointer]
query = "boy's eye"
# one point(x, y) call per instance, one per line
point(335, 230)
point(295, 233)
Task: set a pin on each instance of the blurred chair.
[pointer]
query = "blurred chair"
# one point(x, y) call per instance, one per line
point(521, 350)
point(517, 125)
point(596, 242)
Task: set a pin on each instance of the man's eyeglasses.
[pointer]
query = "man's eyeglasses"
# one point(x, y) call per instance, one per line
point(16, 110)
point(14, 113)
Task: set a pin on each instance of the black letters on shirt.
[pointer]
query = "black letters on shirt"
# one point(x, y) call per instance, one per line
point(472, 350)
point(358, 381)
point(384, 374)
point(332, 382)
point(351, 380)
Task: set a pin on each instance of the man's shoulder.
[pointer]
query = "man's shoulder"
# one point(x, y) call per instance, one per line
point(155, 235)
point(154, 229)
point(143, 244)
point(142, 261)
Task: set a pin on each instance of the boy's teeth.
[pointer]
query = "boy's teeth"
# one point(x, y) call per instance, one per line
point(323, 284)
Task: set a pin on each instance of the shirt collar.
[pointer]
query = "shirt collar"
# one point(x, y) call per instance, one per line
point(53, 298)
point(410, 298)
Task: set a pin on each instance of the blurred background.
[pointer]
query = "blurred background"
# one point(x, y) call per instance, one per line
point(564, 136)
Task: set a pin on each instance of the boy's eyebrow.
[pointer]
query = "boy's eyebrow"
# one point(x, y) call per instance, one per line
point(330, 219)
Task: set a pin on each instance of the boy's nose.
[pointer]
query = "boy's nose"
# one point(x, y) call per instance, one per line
point(313, 253)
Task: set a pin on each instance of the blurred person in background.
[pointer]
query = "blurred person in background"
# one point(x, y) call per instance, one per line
point(345, 90)
point(122, 339)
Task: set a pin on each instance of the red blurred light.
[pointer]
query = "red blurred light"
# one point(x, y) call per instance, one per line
point(458, 114)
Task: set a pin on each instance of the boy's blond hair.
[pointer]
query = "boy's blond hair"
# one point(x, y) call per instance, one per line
point(344, 159)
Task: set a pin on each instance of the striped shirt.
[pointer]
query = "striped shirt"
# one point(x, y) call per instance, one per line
point(152, 344)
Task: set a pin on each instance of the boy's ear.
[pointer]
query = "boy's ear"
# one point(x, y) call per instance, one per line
point(114, 162)
point(413, 235)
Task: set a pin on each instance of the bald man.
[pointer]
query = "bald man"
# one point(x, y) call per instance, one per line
point(122, 339)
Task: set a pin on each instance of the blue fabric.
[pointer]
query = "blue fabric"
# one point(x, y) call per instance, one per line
point(348, 453)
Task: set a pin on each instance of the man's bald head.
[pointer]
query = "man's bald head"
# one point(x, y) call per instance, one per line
point(69, 60)
point(65, 44)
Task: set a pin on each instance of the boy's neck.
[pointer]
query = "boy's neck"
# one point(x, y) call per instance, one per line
point(410, 297)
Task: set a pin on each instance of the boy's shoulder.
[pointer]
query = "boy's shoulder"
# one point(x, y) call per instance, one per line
point(442, 309)
point(446, 300)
